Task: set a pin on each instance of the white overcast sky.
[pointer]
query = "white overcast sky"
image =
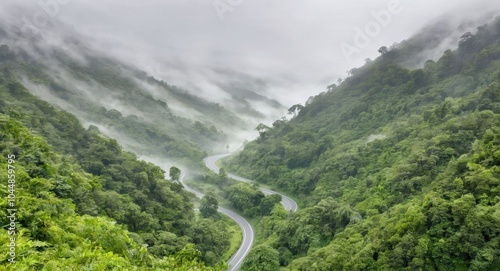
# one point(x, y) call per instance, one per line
point(294, 46)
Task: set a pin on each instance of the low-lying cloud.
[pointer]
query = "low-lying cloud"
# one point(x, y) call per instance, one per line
point(294, 47)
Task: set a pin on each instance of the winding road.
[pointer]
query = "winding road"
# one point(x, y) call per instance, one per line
point(288, 203)
point(247, 231)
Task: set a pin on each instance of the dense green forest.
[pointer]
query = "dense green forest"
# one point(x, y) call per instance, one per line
point(86, 203)
point(397, 168)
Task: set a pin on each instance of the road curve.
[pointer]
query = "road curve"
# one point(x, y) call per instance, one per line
point(246, 243)
point(288, 203)
point(247, 231)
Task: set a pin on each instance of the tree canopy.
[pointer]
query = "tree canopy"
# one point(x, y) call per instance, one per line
point(397, 168)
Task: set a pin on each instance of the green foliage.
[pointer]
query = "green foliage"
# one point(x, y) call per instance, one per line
point(249, 200)
point(211, 238)
point(175, 174)
point(131, 192)
point(267, 204)
point(261, 258)
point(398, 169)
point(209, 206)
point(51, 233)
point(245, 198)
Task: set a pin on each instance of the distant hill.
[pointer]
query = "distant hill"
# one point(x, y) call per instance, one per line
point(82, 202)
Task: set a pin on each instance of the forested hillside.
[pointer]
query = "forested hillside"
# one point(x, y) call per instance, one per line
point(147, 116)
point(397, 169)
point(86, 203)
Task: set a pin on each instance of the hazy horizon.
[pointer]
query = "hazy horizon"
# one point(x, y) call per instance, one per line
point(286, 52)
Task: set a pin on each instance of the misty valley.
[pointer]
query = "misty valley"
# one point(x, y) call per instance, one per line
point(240, 150)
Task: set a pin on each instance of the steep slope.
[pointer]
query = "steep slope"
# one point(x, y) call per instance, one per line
point(147, 116)
point(398, 168)
point(92, 173)
point(51, 195)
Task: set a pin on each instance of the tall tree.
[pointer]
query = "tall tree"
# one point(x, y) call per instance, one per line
point(175, 174)
point(295, 109)
point(262, 257)
point(209, 206)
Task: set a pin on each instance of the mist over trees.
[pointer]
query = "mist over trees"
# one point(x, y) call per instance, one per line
point(398, 168)
point(83, 193)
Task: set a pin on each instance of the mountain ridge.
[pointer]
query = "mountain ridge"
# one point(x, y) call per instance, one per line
point(393, 203)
